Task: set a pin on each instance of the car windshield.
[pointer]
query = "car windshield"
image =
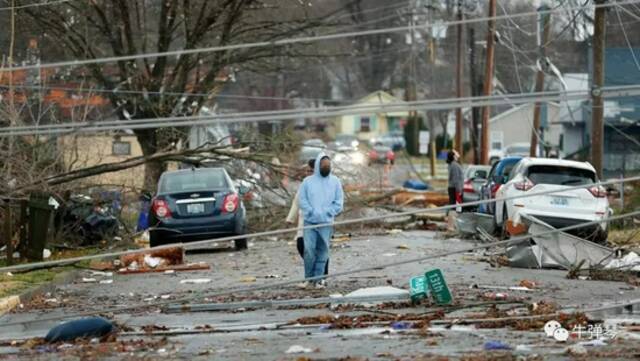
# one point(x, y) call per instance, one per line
point(548, 174)
point(506, 170)
point(193, 181)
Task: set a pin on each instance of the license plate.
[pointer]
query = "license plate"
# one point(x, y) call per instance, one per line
point(195, 208)
point(559, 201)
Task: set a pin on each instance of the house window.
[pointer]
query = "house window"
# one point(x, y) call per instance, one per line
point(121, 148)
point(365, 124)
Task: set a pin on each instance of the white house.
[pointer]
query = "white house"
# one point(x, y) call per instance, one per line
point(368, 125)
point(515, 125)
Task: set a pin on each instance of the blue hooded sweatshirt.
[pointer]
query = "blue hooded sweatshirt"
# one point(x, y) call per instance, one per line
point(321, 198)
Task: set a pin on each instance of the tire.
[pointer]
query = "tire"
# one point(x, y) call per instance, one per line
point(498, 228)
point(601, 236)
point(154, 239)
point(241, 244)
point(505, 217)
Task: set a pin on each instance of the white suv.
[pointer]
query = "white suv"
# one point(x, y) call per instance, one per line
point(565, 208)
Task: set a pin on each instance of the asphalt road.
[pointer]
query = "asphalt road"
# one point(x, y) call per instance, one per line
point(261, 334)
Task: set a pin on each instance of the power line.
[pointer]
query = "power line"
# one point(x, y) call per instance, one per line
point(236, 290)
point(295, 114)
point(338, 223)
point(34, 5)
point(288, 41)
point(382, 54)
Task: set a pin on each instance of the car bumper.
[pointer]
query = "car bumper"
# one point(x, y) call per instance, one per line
point(185, 230)
point(561, 221)
point(470, 197)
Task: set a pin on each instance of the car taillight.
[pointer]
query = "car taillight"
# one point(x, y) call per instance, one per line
point(598, 191)
point(230, 203)
point(468, 186)
point(373, 154)
point(161, 209)
point(525, 185)
point(391, 155)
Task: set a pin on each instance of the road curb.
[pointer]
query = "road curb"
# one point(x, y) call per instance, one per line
point(10, 302)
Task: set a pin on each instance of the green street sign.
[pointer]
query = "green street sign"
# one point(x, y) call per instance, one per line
point(418, 288)
point(438, 287)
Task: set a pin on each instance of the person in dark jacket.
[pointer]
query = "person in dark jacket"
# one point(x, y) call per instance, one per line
point(456, 178)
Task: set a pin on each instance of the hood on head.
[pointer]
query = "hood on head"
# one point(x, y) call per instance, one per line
point(316, 169)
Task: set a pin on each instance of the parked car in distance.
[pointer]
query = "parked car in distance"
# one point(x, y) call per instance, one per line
point(520, 150)
point(349, 140)
point(498, 175)
point(345, 156)
point(567, 207)
point(381, 153)
point(196, 204)
point(311, 148)
point(475, 176)
point(394, 140)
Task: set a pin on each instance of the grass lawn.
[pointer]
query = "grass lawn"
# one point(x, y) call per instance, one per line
point(19, 282)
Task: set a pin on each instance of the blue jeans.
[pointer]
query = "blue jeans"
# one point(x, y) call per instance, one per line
point(316, 250)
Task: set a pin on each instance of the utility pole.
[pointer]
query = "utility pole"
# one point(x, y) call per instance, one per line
point(432, 61)
point(410, 82)
point(545, 23)
point(597, 103)
point(475, 114)
point(459, 65)
point(488, 81)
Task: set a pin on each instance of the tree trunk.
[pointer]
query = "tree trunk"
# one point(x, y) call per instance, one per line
point(148, 140)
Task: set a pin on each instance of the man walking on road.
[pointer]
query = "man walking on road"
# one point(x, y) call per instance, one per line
point(455, 185)
point(296, 217)
point(321, 200)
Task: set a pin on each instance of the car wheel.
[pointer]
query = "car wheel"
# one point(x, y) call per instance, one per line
point(498, 227)
point(241, 244)
point(154, 239)
point(601, 236)
point(505, 217)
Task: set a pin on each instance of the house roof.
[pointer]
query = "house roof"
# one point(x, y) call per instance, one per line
point(381, 97)
point(515, 109)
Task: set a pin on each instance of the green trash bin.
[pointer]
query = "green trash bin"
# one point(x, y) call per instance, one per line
point(39, 216)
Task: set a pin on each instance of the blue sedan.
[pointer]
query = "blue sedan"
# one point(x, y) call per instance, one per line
point(196, 204)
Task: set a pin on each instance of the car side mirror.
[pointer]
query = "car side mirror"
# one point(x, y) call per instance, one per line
point(242, 190)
